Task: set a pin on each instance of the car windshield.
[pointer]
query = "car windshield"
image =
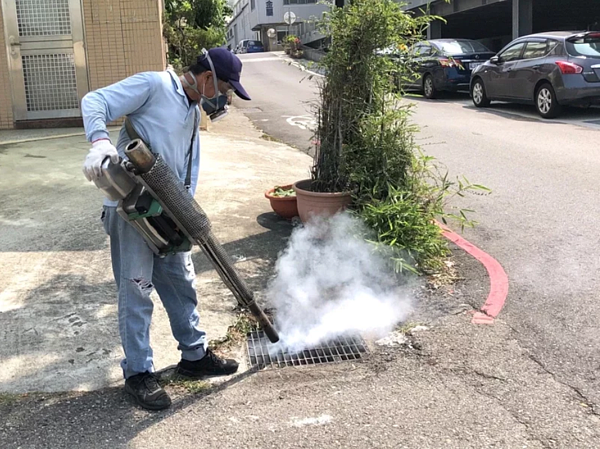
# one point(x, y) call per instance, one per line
point(584, 47)
point(461, 47)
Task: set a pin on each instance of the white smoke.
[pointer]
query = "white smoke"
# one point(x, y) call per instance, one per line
point(330, 282)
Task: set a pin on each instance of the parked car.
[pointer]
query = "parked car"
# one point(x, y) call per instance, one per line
point(445, 65)
point(241, 46)
point(549, 70)
point(254, 47)
point(249, 46)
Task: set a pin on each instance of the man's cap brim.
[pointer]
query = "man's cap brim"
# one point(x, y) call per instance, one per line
point(239, 90)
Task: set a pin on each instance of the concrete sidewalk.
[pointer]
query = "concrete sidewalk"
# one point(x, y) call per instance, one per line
point(58, 307)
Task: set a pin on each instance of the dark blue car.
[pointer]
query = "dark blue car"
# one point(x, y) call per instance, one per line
point(445, 65)
point(254, 47)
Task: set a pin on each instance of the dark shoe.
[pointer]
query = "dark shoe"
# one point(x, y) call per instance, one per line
point(209, 365)
point(147, 392)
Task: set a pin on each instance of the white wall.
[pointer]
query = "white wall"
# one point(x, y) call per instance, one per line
point(247, 18)
point(241, 23)
point(303, 12)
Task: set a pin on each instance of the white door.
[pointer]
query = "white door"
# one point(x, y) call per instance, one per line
point(47, 57)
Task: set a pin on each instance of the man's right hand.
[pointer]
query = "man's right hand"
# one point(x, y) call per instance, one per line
point(101, 149)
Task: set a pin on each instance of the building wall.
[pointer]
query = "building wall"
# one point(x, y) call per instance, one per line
point(6, 115)
point(306, 12)
point(248, 20)
point(240, 24)
point(122, 37)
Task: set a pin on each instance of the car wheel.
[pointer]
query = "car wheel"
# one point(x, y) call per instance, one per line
point(546, 102)
point(429, 89)
point(480, 98)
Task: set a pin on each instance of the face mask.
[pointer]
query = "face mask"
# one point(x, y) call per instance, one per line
point(216, 111)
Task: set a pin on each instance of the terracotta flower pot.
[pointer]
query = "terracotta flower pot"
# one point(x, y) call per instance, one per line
point(318, 203)
point(284, 206)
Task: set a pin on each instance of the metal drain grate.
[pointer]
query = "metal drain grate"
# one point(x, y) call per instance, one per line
point(338, 350)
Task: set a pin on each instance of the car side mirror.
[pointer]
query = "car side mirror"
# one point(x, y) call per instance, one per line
point(496, 60)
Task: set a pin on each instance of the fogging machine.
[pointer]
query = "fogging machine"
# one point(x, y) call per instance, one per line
point(153, 200)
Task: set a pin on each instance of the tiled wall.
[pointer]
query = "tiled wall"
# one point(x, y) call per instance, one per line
point(123, 37)
point(6, 115)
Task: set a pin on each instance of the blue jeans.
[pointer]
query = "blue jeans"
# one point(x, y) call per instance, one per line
point(138, 271)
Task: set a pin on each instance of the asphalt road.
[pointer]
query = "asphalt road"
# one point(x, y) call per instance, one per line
point(282, 98)
point(540, 222)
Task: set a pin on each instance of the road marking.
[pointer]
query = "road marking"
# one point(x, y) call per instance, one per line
point(301, 121)
point(498, 278)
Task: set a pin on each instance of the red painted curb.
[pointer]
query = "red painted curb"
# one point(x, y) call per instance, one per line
point(498, 278)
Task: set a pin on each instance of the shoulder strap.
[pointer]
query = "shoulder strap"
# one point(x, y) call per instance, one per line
point(132, 133)
point(188, 177)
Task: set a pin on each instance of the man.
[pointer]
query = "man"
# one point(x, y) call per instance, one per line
point(163, 111)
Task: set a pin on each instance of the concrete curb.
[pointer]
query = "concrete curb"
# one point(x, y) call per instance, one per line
point(498, 278)
point(35, 139)
point(49, 137)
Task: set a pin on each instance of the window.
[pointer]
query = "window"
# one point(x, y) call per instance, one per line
point(588, 46)
point(462, 47)
point(269, 8)
point(555, 49)
point(422, 50)
point(512, 53)
point(535, 49)
point(299, 2)
point(252, 4)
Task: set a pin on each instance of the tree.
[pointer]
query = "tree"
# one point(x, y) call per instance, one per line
point(190, 25)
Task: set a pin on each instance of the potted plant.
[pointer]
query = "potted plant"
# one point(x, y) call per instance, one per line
point(287, 43)
point(283, 201)
point(366, 158)
point(351, 94)
point(292, 46)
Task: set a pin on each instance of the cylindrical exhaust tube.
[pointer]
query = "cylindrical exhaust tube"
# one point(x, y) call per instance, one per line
point(264, 322)
point(187, 212)
point(140, 156)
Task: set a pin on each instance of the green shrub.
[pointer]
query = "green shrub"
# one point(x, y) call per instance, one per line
point(365, 139)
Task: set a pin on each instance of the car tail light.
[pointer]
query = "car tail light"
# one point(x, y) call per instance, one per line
point(451, 62)
point(568, 68)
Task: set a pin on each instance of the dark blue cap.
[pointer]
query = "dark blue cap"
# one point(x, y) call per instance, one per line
point(228, 68)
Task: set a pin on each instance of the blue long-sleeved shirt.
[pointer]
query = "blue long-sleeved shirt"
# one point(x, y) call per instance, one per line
point(160, 112)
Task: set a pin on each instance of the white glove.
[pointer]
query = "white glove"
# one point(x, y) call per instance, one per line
point(101, 149)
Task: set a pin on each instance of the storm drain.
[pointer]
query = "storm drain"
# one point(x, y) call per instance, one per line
point(263, 355)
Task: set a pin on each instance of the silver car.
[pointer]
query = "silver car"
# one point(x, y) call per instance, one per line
point(548, 70)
